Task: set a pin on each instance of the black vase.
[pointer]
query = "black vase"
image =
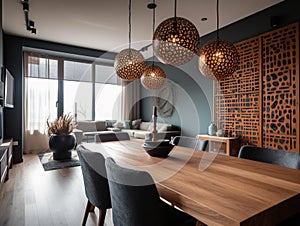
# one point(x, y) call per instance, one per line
point(62, 146)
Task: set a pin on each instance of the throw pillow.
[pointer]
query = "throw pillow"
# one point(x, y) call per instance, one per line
point(136, 123)
point(100, 125)
point(127, 124)
point(118, 125)
point(109, 123)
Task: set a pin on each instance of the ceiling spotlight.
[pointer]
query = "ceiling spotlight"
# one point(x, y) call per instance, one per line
point(33, 30)
point(31, 23)
point(25, 6)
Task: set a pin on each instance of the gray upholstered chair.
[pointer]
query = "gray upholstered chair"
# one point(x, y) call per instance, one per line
point(111, 136)
point(277, 157)
point(95, 183)
point(135, 200)
point(190, 142)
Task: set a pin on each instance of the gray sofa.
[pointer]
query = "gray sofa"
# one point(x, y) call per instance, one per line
point(86, 130)
point(164, 130)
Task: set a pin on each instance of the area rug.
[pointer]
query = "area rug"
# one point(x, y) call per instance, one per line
point(49, 163)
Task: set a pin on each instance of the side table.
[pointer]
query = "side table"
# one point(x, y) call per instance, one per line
point(224, 145)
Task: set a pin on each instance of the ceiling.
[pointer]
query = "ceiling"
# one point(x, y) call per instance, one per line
point(103, 25)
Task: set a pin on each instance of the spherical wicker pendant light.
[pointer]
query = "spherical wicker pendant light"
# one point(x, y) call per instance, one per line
point(218, 59)
point(153, 78)
point(129, 63)
point(176, 41)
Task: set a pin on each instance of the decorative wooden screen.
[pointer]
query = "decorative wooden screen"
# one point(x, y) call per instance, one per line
point(280, 68)
point(259, 102)
point(237, 97)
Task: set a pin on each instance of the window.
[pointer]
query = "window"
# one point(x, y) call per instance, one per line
point(107, 101)
point(57, 85)
point(78, 99)
point(107, 93)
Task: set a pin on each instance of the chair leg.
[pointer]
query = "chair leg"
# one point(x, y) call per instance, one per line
point(89, 205)
point(92, 208)
point(102, 213)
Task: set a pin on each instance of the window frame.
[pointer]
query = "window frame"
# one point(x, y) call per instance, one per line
point(60, 78)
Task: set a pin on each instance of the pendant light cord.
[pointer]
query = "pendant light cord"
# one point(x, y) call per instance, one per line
point(129, 23)
point(153, 29)
point(175, 9)
point(218, 19)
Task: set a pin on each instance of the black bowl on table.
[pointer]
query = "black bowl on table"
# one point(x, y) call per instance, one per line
point(158, 148)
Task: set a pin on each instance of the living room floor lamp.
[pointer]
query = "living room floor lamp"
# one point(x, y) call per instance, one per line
point(176, 40)
point(154, 77)
point(218, 59)
point(129, 63)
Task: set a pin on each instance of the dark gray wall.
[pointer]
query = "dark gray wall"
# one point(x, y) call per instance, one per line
point(199, 88)
point(1, 36)
point(13, 49)
point(192, 95)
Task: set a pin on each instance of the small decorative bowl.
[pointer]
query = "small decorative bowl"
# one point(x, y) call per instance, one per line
point(159, 148)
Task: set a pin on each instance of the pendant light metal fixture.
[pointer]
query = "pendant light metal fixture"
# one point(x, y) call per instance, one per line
point(176, 40)
point(218, 59)
point(129, 63)
point(154, 77)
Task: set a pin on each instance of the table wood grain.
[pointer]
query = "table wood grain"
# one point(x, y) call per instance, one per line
point(215, 189)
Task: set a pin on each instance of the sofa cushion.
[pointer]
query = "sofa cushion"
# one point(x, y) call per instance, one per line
point(100, 125)
point(141, 134)
point(144, 125)
point(86, 126)
point(163, 127)
point(160, 127)
point(130, 131)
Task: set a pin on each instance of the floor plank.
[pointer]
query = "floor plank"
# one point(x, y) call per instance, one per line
point(36, 197)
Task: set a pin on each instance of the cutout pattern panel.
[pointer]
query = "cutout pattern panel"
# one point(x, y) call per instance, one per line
point(260, 102)
point(280, 88)
point(237, 97)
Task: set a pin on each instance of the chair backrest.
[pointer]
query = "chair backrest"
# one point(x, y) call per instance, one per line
point(190, 142)
point(134, 197)
point(277, 157)
point(94, 177)
point(111, 136)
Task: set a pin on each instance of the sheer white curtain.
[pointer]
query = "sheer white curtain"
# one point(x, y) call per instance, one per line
point(130, 100)
point(41, 96)
point(40, 102)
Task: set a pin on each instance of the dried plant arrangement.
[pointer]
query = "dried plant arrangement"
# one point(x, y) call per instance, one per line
point(62, 125)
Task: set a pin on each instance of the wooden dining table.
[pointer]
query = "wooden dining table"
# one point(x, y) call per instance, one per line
point(215, 189)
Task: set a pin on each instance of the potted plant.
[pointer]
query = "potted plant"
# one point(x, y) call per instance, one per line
point(61, 140)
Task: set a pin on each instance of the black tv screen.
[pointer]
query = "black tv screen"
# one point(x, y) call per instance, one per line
point(8, 90)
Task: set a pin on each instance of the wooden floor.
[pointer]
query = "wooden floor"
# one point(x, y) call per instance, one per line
point(35, 197)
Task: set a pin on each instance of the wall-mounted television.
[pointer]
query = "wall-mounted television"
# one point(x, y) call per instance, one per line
point(2, 85)
point(9, 83)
